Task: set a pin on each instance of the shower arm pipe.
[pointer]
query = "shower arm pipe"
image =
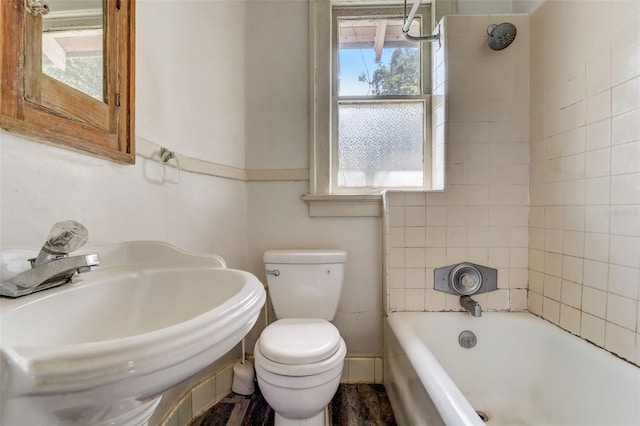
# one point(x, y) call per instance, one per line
point(407, 24)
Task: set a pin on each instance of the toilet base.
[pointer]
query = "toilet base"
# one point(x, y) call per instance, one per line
point(320, 419)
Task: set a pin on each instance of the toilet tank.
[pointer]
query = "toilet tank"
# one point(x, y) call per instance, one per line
point(305, 283)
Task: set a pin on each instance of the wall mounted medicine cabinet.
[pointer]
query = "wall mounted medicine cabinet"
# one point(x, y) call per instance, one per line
point(67, 74)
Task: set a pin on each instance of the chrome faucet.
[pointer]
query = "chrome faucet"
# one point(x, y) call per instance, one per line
point(53, 266)
point(471, 305)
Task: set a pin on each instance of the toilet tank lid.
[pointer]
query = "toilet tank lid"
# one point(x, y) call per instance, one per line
point(305, 256)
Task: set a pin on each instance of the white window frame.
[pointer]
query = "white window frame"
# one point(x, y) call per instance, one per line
point(373, 12)
point(323, 109)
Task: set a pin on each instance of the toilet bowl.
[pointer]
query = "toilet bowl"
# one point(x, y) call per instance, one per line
point(299, 392)
point(299, 364)
point(299, 358)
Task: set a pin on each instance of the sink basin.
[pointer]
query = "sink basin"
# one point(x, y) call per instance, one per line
point(99, 351)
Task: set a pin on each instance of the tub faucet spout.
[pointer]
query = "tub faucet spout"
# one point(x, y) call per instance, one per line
point(471, 305)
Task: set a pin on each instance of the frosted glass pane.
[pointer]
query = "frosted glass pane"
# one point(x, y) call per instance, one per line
point(381, 144)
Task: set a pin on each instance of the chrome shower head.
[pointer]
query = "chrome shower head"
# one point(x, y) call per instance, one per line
point(501, 35)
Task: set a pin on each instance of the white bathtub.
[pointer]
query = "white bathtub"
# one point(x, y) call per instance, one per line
point(522, 371)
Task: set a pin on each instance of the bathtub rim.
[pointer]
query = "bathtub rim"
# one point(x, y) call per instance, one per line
point(452, 405)
point(622, 406)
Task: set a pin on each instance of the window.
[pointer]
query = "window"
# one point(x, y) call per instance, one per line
point(371, 131)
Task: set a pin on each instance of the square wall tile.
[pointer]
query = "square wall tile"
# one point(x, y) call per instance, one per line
point(203, 396)
point(536, 281)
point(625, 97)
point(414, 257)
point(552, 287)
point(414, 237)
point(224, 381)
point(396, 237)
point(414, 198)
point(396, 198)
point(572, 268)
point(625, 189)
point(623, 281)
point(435, 257)
point(596, 274)
point(415, 216)
point(594, 302)
point(172, 420)
point(620, 341)
point(625, 251)
point(571, 294)
point(396, 216)
point(184, 410)
point(553, 264)
point(497, 300)
point(396, 278)
point(592, 329)
point(414, 299)
point(396, 257)
point(361, 370)
point(624, 127)
point(518, 300)
point(396, 299)
point(596, 246)
point(551, 310)
point(597, 218)
point(414, 278)
point(626, 158)
point(434, 300)
point(625, 220)
point(378, 370)
point(598, 162)
point(622, 311)
point(570, 319)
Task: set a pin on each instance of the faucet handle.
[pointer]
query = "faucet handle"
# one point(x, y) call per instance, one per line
point(66, 237)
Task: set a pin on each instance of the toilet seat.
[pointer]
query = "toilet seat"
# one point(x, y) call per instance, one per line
point(295, 341)
point(299, 370)
point(283, 332)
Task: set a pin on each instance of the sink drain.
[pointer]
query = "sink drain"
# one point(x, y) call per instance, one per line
point(482, 416)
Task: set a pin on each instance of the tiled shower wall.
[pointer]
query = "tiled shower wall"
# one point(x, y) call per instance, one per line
point(585, 170)
point(482, 216)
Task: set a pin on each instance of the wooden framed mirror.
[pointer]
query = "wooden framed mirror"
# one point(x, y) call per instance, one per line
point(67, 74)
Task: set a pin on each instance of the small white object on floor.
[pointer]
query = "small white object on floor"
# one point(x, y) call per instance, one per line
point(243, 375)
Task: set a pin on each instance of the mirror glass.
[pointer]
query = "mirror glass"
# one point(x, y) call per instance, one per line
point(73, 44)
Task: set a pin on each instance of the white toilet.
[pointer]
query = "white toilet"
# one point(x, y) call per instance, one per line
point(299, 357)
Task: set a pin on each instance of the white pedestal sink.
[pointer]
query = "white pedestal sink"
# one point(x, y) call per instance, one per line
point(101, 350)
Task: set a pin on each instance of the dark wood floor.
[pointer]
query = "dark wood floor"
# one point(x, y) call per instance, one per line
point(352, 405)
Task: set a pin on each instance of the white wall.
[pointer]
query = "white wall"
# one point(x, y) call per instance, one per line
point(277, 129)
point(190, 77)
point(483, 7)
point(223, 81)
point(277, 79)
point(190, 98)
point(278, 218)
point(42, 185)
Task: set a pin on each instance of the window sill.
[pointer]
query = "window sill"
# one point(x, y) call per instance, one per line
point(344, 205)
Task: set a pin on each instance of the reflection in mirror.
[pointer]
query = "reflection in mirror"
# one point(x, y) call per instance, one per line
point(73, 45)
point(44, 108)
